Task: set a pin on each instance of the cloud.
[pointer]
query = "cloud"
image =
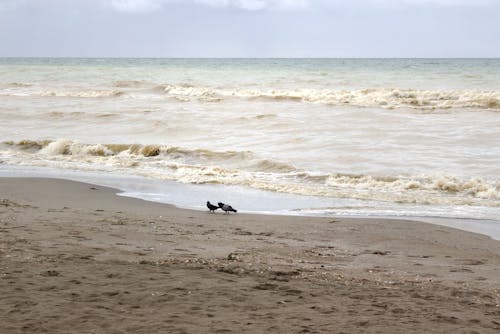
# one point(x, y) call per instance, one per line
point(136, 5)
point(243, 4)
point(450, 2)
point(251, 5)
point(411, 3)
point(257, 4)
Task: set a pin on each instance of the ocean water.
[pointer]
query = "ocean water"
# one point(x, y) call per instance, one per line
point(375, 137)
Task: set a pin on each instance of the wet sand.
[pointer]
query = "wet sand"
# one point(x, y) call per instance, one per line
point(76, 258)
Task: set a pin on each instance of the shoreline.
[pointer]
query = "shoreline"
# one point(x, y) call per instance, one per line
point(181, 196)
point(75, 257)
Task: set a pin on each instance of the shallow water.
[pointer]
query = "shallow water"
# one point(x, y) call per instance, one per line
point(247, 200)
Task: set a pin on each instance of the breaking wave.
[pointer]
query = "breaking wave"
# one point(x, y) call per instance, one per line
point(246, 168)
point(388, 98)
point(384, 97)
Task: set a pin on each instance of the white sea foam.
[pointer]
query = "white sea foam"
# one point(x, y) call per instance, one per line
point(377, 97)
point(387, 98)
point(201, 166)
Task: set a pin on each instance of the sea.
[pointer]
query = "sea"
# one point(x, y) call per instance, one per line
point(411, 138)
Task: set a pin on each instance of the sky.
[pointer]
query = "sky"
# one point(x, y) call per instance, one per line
point(250, 28)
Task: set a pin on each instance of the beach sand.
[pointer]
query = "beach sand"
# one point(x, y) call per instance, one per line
point(77, 258)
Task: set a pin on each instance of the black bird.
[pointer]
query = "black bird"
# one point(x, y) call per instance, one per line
point(211, 207)
point(226, 207)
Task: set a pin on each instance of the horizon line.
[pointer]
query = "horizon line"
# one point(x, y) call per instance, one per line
point(222, 58)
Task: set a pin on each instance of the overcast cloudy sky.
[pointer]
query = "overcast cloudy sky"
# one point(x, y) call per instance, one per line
point(250, 28)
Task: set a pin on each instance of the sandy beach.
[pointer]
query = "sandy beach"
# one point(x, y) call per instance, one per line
point(77, 258)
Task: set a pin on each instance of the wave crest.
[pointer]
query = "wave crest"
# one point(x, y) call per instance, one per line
point(389, 98)
point(245, 168)
point(380, 97)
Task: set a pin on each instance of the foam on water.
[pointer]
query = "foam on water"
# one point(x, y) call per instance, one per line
point(396, 137)
point(388, 98)
point(383, 97)
point(202, 166)
point(194, 196)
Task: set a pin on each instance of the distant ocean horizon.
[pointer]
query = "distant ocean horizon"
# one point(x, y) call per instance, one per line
point(367, 136)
